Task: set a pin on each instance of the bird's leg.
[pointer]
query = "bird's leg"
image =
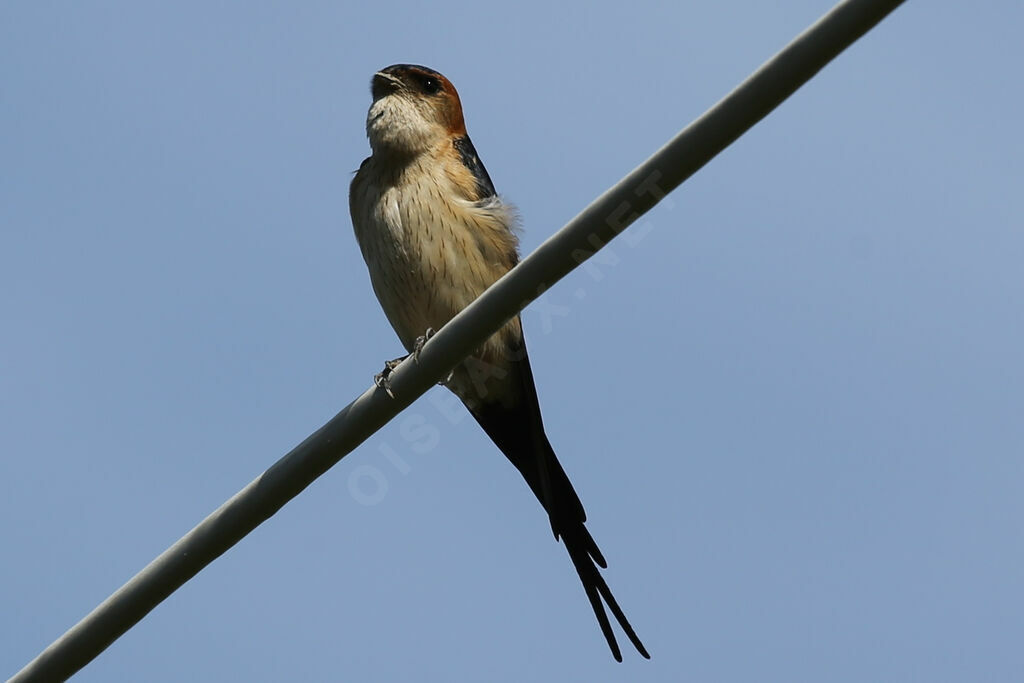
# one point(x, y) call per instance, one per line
point(418, 346)
point(381, 378)
point(420, 342)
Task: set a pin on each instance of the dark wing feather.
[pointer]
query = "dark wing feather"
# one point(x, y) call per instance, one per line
point(470, 159)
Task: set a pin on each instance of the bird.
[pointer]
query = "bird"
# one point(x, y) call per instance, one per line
point(435, 234)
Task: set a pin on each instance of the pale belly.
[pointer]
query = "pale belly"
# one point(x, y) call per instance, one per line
point(425, 264)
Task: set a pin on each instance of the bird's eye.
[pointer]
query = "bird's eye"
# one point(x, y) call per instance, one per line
point(430, 85)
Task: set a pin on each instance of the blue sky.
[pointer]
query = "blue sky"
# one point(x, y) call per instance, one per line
point(792, 404)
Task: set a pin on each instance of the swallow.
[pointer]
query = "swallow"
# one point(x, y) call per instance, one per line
point(435, 234)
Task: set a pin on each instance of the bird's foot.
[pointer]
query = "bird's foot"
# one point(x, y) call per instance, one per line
point(418, 345)
point(381, 378)
point(420, 342)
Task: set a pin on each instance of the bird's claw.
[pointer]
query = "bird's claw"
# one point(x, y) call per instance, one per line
point(381, 378)
point(418, 346)
point(421, 342)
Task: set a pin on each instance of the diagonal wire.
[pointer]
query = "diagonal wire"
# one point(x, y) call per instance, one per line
point(583, 236)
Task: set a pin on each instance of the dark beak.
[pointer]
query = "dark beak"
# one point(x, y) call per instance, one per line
point(384, 84)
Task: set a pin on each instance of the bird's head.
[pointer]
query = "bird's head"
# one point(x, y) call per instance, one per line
point(414, 109)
